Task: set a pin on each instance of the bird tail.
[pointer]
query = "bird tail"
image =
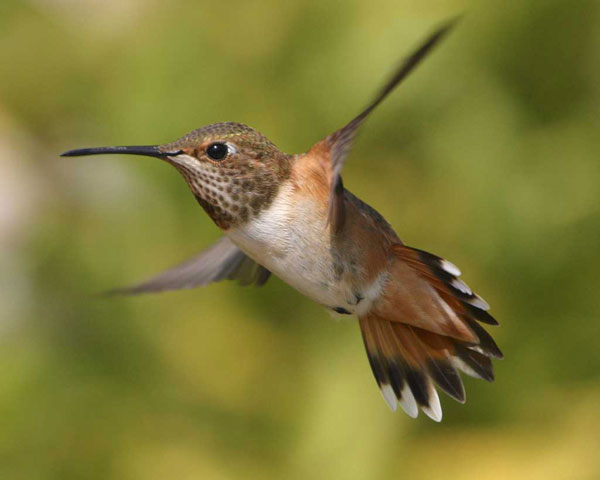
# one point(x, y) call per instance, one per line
point(409, 354)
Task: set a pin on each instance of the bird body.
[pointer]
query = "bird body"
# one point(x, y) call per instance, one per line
point(290, 238)
point(290, 215)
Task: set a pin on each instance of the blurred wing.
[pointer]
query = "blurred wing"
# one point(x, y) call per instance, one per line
point(222, 261)
point(341, 140)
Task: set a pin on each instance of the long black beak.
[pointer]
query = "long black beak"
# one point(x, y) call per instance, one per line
point(146, 150)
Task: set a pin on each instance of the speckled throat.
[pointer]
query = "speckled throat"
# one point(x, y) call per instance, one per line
point(238, 187)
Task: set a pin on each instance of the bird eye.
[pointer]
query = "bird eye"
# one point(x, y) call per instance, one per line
point(217, 151)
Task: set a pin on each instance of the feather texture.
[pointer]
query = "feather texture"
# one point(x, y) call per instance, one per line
point(424, 329)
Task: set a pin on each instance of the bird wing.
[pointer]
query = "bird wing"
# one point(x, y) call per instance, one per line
point(221, 261)
point(340, 141)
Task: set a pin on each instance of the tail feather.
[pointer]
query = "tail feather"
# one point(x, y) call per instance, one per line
point(447, 378)
point(390, 369)
point(409, 357)
point(486, 344)
point(407, 366)
point(473, 363)
point(480, 315)
point(432, 356)
point(443, 276)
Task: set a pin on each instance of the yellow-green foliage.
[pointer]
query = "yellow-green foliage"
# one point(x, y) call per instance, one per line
point(489, 155)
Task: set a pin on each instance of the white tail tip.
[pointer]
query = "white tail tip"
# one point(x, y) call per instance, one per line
point(389, 396)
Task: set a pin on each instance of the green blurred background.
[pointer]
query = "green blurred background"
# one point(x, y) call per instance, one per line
point(488, 155)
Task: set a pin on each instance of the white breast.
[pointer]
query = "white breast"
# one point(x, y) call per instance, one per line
point(291, 241)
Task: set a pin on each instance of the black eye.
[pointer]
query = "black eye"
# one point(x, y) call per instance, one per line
point(217, 151)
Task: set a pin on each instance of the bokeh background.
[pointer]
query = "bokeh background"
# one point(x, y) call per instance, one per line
point(488, 155)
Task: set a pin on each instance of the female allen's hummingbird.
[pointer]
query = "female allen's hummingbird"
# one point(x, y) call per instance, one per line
point(291, 215)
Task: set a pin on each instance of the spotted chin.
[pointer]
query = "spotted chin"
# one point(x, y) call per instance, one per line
point(230, 196)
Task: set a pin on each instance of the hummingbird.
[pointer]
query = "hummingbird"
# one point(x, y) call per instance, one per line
point(290, 215)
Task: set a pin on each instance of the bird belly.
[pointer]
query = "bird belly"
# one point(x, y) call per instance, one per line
point(290, 239)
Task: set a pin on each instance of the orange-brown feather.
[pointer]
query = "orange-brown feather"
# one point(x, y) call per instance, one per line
point(410, 298)
point(423, 328)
